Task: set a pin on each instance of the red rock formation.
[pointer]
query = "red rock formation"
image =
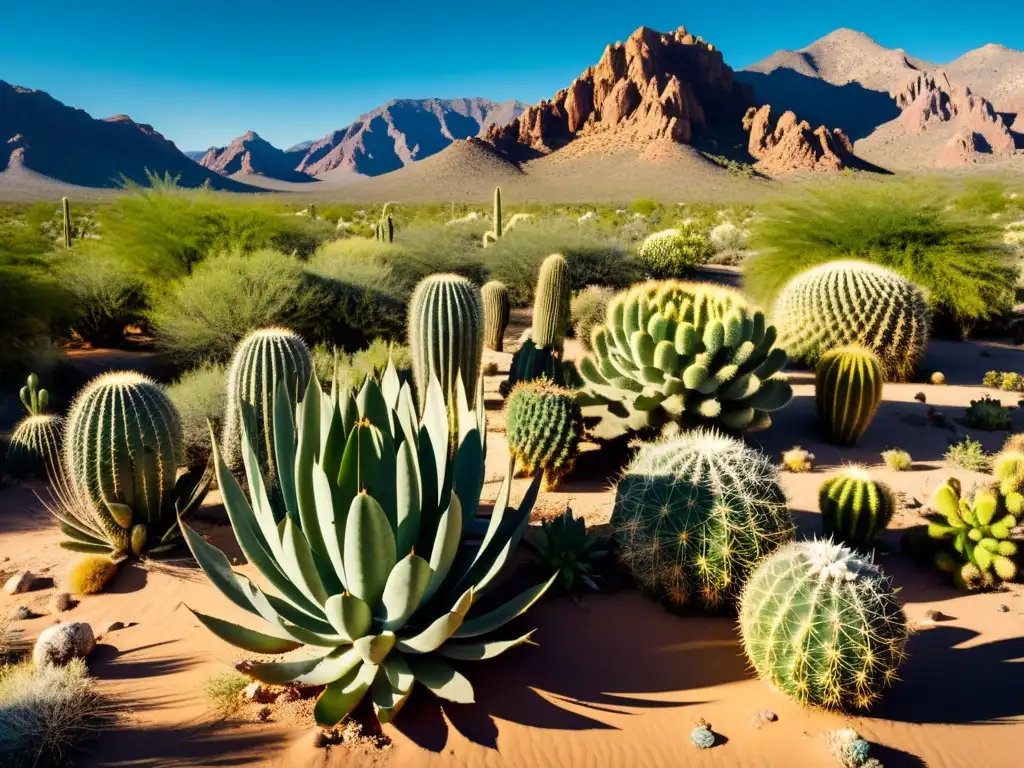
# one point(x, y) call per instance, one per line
point(654, 86)
point(250, 155)
point(791, 145)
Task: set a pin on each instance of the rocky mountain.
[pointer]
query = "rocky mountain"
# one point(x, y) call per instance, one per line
point(249, 155)
point(40, 134)
point(196, 154)
point(995, 71)
point(790, 144)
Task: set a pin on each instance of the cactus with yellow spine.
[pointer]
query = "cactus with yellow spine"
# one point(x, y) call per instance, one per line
point(854, 507)
point(847, 389)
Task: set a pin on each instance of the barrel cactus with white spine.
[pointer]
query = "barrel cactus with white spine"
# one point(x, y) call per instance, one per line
point(692, 352)
point(35, 446)
point(823, 625)
point(120, 492)
point(854, 302)
point(693, 515)
point(371, 573)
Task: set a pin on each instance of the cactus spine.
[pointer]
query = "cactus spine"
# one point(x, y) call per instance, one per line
point(446, 336)
point(263, 360)
point(66, 207)
point(847, 389)
point(495, 234)
point(36, 444)
point(694, 514)
point(854, 507)
point(496, 314)
point(552, 303)
point(823, 625)
point(544, 426)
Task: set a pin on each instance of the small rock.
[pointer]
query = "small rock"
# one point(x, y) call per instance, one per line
point(264, 715)
point(20, 583)
point(116, 625)
point(21, 613)
point(914, 503)
point(764, 717)
point(920, 397)
point(935, 616)
point(243, 666)
point(1003, 608)
point(259, 693)
point(60, 602)
point(61, 643)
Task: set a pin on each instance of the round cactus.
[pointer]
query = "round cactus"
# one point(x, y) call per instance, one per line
point(35, 447)
point(446, 335)
point(854, 302)
point(847, 389)
point(674, 252)
point(823, 625)
point(854, 507)
point(693, 351)
point(264, 360)
point(496, 313)
point(544, 426)
point(552, 303)
point(693, 515)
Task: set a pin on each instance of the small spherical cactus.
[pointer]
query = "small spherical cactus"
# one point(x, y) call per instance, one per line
point(693, 515)
point(544, 426)
point(35, 446)
point(938, 378)
point(823, 625)
point(854, 507)
point(496, 314)
point(702, 736)
point(796, 459)
point(847, 388)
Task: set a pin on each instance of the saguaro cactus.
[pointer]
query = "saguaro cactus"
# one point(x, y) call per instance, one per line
point(552, 303)
point(496, 314)
point(855, 508)
point(496, 233)
point(847, 389)
point(66, 206)
point(384, 229)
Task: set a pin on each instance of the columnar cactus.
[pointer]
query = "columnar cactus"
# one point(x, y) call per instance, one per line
point(979, 531)
point(694, 514)
point(36, 444)
point(854, 302)
point(847, 389)
point(446, 336)
point(66, 210)
point(263, 360)
point(854, 507)
point(823, 625)
point(552, 303)
point(384, 229)
point(691, 350)
point(122, 450)
point(544, 426)
point(495, 234)
point(496, 314)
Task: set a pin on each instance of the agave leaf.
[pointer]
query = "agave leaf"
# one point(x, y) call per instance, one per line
point(439, 631)
point(261, 509)
point(390, 385)
point(435, 422)
point(333, 437)
point(332, 529)
point(215, 565)
point(446, 546)
point(369, 549)
point(299, 565)
point(397, 671)
point(342, 696)
point(377, 470)
point(246, 639)
point(408, 499)
point(406, 584)
point(81, 536)
point(387, 700)
point(297, 631)
point(497, 618)
point(468, 472)
point(333, 665)
point(284, 449)
point(89, 549)
point(440, 678)
point(374, 648)
point(349, 615)
point(405, 410)
point(374, 407)
point(305, 459)
point(480, 651)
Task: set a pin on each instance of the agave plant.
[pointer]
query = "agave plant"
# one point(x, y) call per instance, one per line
point(574, 553)
point(377, 581)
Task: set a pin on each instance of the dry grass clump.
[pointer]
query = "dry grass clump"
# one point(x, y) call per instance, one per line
point(200, 396)
point(897, 460)
point(224, 691)
point(968, 454)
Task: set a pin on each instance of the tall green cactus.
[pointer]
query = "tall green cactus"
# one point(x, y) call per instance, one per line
point(66, 209)
point(122, 450)
point(552, 303)
point(495, 234)
point(687, 351)
point(544, 426)
point(847, 388)
point(263, 360)
point(854, 302)
point(35, 447)
point(496, 314)
point(854, 507)
point(694, 514)
point(446, 336)
point(823, 625)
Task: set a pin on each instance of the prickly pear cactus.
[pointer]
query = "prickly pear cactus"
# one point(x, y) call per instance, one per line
point(822, 624)
point(854, 507)
point(693, 515)
point(693, 351)
point(847, 390)
point(544, 426)
point(552, 303)
point(35, 446)
point(854, 302)
point(496, 314)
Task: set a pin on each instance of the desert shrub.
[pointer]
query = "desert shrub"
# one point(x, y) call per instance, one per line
point(45, 711)
point(728, 237)
point(353, 368)
point(224, 691)
point(645, 206)
point(200, 396)
point(430, 248)
point(205, 315)
point(986, 196)
point(988, 414)
point(968, 454)
point(955, 256)
point(588, 309)
point(108, 295)
point(31, 302)
point(897, 460)
point(673, 253)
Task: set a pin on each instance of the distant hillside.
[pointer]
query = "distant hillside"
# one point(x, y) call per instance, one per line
point(249, 155)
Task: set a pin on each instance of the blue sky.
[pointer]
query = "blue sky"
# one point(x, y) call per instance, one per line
point(204, 72)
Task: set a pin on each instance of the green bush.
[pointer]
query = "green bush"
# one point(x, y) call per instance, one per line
point(674, 253)
point(200, 397)
point(353, 368)
point(911, 230)
point(968, 454)
point(431, 248)
point(107, 294)
point(31, 301)
point(588, 310)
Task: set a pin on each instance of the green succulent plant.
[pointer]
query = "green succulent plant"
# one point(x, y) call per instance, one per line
point(371, 570)
point(495, 234)
point(568, 548)
point(544, 426)
point(36, 444)
point(988, 414)
point(854, 507)
point(847, 389)
point(531, 362)
point(496, 314)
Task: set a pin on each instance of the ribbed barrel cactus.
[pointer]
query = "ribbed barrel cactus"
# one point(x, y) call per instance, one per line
point(531, 363)
point(552, 303)
point(544, 426)
point(36, 444)
point(693, 515)
point(370, 572)
point(978, 532)
point(446, 336)
point(496, 313)
point(264, 360)
point(854, 302)
point(691, 351)
point(823, 625)
point(1008, 470)
point(854, 507)
point(847, 389)
point(122, 450)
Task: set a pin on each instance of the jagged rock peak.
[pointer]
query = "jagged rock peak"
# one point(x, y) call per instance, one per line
point(791, 144)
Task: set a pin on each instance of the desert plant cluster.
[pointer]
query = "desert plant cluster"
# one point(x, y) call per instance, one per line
point(329, 382)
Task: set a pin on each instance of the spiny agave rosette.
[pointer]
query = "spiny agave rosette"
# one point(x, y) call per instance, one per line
point(695, 350)
point(373, 575)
